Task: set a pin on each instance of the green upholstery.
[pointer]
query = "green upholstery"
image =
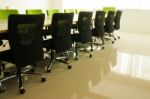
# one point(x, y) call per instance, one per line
point(78, 10)
point(4, 13)
point(106, 9)
point(50, 12)
point(69, 10)
point(34, 11)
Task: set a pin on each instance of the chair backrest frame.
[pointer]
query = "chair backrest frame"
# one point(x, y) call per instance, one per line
point(61, 31)
point(25, 38)
point(99, 23)
point(109, 22)
point(84, 26)
point(117, 19)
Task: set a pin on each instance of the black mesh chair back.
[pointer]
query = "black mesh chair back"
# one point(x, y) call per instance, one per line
point(109, 22)
point(84, 26)
point(61, 31)
point(99, 24)
point(117, 19)
point(25, 38)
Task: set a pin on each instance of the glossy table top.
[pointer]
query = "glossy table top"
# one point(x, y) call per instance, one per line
point(4, 25)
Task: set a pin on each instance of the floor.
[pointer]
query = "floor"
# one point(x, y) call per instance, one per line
point(120, 71)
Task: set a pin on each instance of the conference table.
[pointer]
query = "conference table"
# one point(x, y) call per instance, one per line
point(4, 25)
point(4, 30)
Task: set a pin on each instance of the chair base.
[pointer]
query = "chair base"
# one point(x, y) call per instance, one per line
point(85, 50)
point(48, 69)
point(100, 43)
point(31, 72)
point(19, 74)
point(59, 59)
point(110, 37)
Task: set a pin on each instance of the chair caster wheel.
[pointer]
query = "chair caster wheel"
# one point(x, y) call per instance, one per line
point(46, 58)
point(22, 91)
point(2, 89)
point(32, 70)
point(115, 39)
point(90, 55)
point(66, 59)
point(103, 48)
point(118, 37)
point(91, 49)
point(76, 58)
point(43, 79)
point(69, 66)
point(48, 70)
point(113, 42)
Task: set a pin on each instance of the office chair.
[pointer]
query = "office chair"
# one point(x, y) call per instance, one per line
point(98, 31)
point(61, 38)
point(84, 34)
point(47, 30)
point(25, 40)
point(109, 25)
point(34, 11)
point(117, 20)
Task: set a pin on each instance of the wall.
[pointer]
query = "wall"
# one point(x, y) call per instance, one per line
point(22, 5)
point(131, 21)
point(79, 4)
point(58, 4)
point(135, 21)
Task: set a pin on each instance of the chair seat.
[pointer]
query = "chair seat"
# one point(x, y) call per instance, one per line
point(47, 31)
point(74, 26)
point(116, 27)
point(75, 38)
point(109, 30)
point(4, 36)
point(47, 44)
point(94, 33)
point(50, 44)
point(7, 56)
point(78, 38)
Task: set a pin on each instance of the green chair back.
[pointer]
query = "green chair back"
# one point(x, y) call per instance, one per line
point(50, 12)
point(106, 9)
point(4, 13)
point(69, 10)
point(34, 11)
point(78, 10)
